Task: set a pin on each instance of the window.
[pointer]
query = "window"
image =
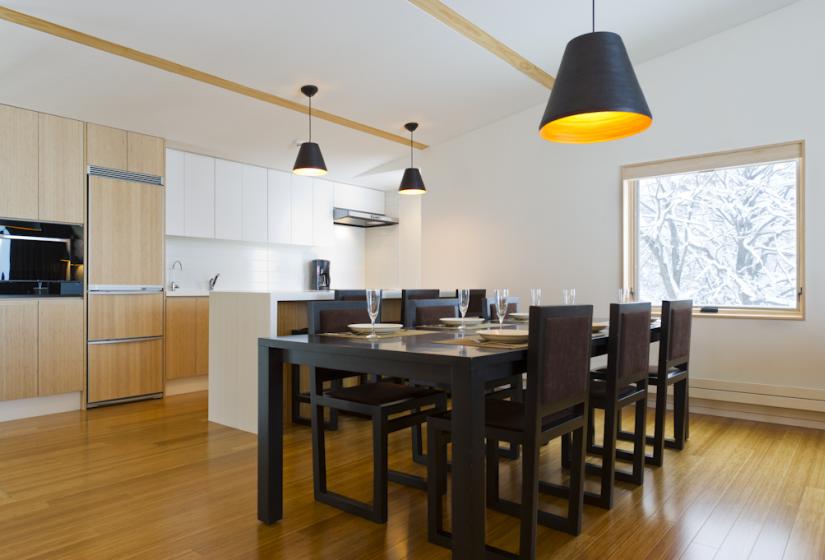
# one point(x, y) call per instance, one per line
point(725, 230)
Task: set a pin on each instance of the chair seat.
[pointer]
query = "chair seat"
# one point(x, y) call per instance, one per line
point(509, 415)
point(654, 373)
point(598, 388)
point(381, 393)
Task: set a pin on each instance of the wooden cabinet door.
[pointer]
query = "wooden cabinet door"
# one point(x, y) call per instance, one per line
point(302, 210)
point(18, 163)
point(125, 369)
point(181, 337)
point(229, 211)
point(126, 241)
point(279, 202)
point(113, 316)
point(254, 203)
point(175, 200)
point(61, 348)
point(202, 336)
point(18, 349)
point(62, 178)
point(145, 154)
point(106, 146)
point(199, 196)
point(323, 232)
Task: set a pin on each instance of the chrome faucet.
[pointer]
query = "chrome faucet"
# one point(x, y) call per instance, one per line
point(172, 284)
point(213, 281)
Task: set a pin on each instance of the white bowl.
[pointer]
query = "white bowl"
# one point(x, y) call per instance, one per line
point(380, 328)
point(511, 336)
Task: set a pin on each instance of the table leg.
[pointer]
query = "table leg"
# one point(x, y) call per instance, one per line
point(270, 434)
point(468, 502)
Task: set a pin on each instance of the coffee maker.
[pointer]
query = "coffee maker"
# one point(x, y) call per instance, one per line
point(319, 275)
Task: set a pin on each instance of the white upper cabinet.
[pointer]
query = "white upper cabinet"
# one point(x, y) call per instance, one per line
point(323, 232)
point(302, 210)
point(279, 190)
point(175, 199)
point(229, 212)
point(359, 198)
point(254, 203)
point(199, 180)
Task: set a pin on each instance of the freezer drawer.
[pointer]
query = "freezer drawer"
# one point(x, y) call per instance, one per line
point(125, 369)
point(114, 315)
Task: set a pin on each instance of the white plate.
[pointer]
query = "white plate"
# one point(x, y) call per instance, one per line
point(380, 328)
point(456, 321)
point(504, 335)
point(519, 316)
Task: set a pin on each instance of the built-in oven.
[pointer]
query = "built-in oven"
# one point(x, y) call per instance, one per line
point(40, 259)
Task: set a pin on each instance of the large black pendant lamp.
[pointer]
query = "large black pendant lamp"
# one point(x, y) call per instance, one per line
point(596, 96)
point(309, 161)
point(411, 182)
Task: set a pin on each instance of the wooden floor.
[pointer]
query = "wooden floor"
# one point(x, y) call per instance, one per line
point(156, 480)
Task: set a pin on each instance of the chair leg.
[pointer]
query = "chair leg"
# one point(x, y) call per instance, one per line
point(380, 468)
point(639, 449)
point(576, 497)
point(679, 414)
point(591, 429)
point(607, 471)
point(333, 413)
point(529, 497)
point(436, 482)
point(295, 392)
point(417, 443)
point(492, 473)
point(565, 451)
point(659, 426)
point(319, 455)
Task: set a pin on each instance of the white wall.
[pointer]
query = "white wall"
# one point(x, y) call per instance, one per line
point(261, 266)
point(508, 209)
point(393, 253)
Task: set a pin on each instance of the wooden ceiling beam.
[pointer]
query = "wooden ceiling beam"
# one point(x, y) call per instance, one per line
point(457, 22)
point(69, 34)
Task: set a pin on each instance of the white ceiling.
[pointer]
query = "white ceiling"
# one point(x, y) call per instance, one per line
point(381, 62)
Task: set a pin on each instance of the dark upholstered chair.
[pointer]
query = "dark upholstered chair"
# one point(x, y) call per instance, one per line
point(418, 312)
point(558, 378)
point(350, 295)
point(476, 307)
point(376, 400)
point(671, 369)
point(407, 295)
point(622, 383)
point(490, 311)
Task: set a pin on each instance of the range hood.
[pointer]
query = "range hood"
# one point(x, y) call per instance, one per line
point(356, 218)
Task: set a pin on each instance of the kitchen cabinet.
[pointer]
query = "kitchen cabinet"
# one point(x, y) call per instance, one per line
point(106, 146)
point(61, 173)
point(323, 232)
point(125, 369)
point(187, 337)
point(279, 190)
point(61, 344)
point(199, 195)
point(18, 349)
point(302, 210)
point(359, 198)
point(175, 200)
point(114, 316)
point(254, 197)
point(145, 154)
point(229, 202)
point(126, 243)
point(18, 163)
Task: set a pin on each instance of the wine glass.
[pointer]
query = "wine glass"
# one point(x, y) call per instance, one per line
point(501, 305)
point(463, 303)
point(569, 295)
point(373, 305)
point(535, 296)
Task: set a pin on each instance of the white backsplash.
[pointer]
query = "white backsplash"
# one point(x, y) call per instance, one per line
point(262, 266)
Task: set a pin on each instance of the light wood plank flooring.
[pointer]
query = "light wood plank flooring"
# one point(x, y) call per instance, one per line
point(156, 480)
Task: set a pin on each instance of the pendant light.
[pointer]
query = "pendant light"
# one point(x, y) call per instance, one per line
point(596, 96)
point(309, 161)
point(411, 182)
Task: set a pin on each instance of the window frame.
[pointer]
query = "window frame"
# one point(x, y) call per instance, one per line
point(631, 174)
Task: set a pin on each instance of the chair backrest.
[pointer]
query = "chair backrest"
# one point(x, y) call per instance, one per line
point(429, 311)
point(628, 347)
point(476, 306)
point(351, 295)
point(674, 344)
point(334, 316)
point(490, 311)
point(558, 358)
point(407, 295)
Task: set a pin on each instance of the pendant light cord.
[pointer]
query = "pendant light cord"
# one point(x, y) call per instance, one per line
point(593, 16)
point(411, 148)
point(310, 119)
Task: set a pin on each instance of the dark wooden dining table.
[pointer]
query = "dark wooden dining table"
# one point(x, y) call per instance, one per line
point(465, 370)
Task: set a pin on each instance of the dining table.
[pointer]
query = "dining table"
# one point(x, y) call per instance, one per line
point(436, 358)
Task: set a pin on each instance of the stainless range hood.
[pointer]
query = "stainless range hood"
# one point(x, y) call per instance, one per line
point(356, 218)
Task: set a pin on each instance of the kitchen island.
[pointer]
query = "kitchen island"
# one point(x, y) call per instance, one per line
point(236, 321)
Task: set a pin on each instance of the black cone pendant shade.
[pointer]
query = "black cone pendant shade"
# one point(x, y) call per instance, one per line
point(309, 162)
point(596, 96)
point(411, 182)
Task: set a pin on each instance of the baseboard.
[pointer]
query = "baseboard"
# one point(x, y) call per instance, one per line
point(186, 385)
point(39, 406)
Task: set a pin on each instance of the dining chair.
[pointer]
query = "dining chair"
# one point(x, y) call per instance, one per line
point(350, 295)
point(418, 312)
point(490, 311)
point(671, 369)
point(476, 306)
point(556, 404)
point(408, 295)
point(622, 383)
point(377, 400)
